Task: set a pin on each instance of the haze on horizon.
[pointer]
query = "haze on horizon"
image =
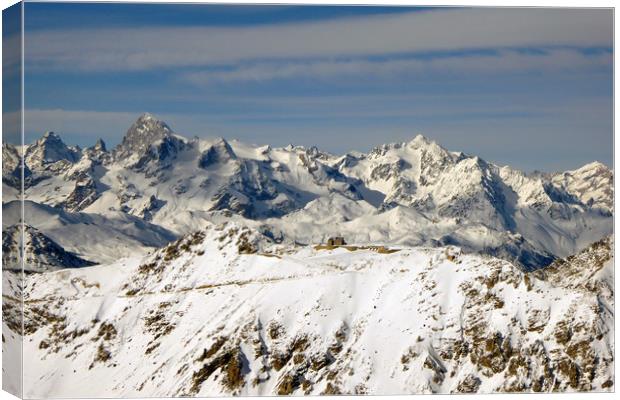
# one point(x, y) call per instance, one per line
point(530, 88)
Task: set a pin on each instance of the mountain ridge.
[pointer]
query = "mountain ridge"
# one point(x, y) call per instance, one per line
point(179, 184)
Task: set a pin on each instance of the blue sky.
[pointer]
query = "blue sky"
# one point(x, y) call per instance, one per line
point(531, 88)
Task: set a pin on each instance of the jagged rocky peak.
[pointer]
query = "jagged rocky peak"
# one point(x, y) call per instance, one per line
point(424, 143)
point(349, 160)
point(50, 139)
point(594, 166)
point(433, 157)
point(97, 152)
point(219, 152)
point(10, 159)
point(50, 149)
point(100, 146)
point(222, 143)
point(145, 131)
point(314, 153)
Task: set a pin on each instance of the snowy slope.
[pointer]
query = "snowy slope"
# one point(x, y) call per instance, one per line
point(225, 310)
point(93, 237)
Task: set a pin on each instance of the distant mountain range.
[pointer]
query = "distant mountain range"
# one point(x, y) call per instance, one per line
point(414, 193)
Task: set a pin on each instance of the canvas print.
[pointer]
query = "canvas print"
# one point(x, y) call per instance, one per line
point(221, 200)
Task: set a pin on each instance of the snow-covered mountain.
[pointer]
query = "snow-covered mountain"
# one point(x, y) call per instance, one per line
point(227, 311)
point(413, 193)
point(170, 266)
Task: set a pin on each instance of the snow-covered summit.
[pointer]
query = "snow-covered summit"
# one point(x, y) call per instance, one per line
point(219, 151)
point(592, 184)
point(49, 150)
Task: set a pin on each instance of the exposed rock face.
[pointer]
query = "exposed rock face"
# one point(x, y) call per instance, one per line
point(41, 253)
point(100, 146)
point(51, 153)
point(11, 162)
point(250, 192)
point(219, 152)
point(144, 132)
point(159, 156)
point(98, 152)
point(149, 207)
point(84, 194)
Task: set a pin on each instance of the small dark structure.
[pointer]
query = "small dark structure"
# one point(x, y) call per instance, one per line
point(336, 241)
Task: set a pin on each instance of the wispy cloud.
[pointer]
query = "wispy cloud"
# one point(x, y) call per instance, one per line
point(504, 61)
point(337, 111)
point(446, 29)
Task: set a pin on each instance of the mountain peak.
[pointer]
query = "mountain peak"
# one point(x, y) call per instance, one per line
point(223, 146)
point(420, 139)
point(147, 115)
point(219, 151)
point(594, 166)
point(221, 141)
point(100, 145)
point(141, 134)
point(150, 119)
point(50, 138)
point(51, 135)
point(49, 149)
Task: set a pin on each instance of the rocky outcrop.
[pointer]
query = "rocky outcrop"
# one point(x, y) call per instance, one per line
point(84, 194)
